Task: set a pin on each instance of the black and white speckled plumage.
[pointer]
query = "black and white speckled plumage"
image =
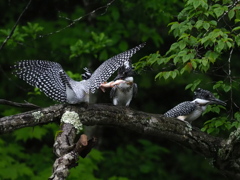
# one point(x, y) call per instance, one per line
point(50, 77)
point(107, 68)
point(181, 109)
point(87, 74)
point(191, 110)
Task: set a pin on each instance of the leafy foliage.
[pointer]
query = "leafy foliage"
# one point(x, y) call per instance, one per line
point(24, 163)
point(136, 161)
point(200, 48)
point(206, 33)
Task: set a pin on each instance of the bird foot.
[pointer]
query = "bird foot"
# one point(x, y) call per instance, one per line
point(188, 125)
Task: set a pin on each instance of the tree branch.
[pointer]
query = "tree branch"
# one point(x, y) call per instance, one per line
point(22, 105)
point(224, 152)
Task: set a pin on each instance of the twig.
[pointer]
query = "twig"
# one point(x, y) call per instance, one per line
point(15, 25)
point(230, 81)
point(78, 19)
point(22, 105)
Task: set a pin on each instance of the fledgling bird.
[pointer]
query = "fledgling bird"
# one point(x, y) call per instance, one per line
point(191, 110)
point(50, 77)
point(123, 92)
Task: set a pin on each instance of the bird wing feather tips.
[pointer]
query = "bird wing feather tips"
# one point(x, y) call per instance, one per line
point(107, 68)
point(48, 76)
point(113, 91)
point(135, 89)
point(181, 109)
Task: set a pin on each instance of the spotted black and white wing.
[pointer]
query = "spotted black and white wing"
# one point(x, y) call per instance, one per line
point(182, 109)
point(48, 76)
point(107, 68)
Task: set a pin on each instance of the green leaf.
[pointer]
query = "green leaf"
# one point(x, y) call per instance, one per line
point(214, 23)
point(194, 64)
point(204, 62)
point(159, 75)
point(183, 53)
point(219, 123)
point(174, 73)
point(184, 36)
point(237, 39)
point(219, 47)
point(206, 25)
point(212, 56)
point(215, 109)
point(237, 20)
point(153, 58)
point(237, 116)
point(193, 85)
point(173, 47)
point(226, 88)
point(218, 11)
point(186, 58)
point(199, 24)
point(182, 44)
point(174, 25)
point(176, 60)
point(187, 67)
point(218, 84)
point(236, 28)
point(204, 128)
point(166, 74)
point(231, 14)
point(210, 130)
point(196, 4)
point(228, 125)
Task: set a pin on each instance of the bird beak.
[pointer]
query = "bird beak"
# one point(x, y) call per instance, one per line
point(218, 101)
point(119, 76)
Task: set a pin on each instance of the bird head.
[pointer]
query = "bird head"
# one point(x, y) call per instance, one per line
point(125, 71)
point(205, 97)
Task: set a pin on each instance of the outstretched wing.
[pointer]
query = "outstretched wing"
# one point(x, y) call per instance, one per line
point(107, 68)
point(182, 109)
point(48, 76)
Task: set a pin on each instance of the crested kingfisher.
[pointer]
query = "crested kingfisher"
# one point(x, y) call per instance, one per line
point(50, 77)
point(122, 93)
point(191, 110)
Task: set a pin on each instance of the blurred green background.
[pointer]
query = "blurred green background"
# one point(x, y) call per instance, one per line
point(70, 33)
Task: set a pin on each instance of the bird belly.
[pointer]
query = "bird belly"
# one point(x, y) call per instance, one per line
point(77, 94)
point(194, 115)
point(122, 98)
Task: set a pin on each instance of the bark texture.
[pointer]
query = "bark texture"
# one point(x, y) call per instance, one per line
point(225, 153)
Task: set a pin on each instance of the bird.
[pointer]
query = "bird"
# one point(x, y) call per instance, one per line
point(123, 92)
point(189, 111)
point(51, 79)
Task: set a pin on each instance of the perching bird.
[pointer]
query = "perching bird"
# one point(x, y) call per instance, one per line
point(123, 92)
point(50, 77)
point(191, 110)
